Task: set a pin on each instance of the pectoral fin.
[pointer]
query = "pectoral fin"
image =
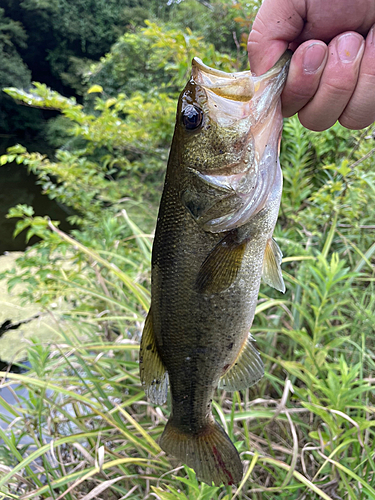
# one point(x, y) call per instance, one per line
point(153, 374)
point(246, 371)
point(222, 265)
point(271, 266)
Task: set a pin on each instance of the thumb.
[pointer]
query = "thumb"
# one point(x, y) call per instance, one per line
point(277, 23)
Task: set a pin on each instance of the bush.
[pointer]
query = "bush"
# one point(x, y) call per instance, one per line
point(306, 430)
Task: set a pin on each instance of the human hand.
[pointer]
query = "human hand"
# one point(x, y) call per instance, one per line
point(325, 83)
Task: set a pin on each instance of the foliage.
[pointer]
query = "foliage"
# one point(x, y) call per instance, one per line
point(12, 34)
point(225, 24)
point(13, 70)
point(110, 157)
point(70, 33)
point(118, 149)
point(161, 54)
point(309, 434)
point(84, 430)
point(61, 42)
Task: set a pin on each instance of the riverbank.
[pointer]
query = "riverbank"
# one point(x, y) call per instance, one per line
point(20, 323)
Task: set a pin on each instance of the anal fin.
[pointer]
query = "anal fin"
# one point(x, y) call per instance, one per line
point(272, 274)
point(246, 371)
point(154, 376)
point(222, 265)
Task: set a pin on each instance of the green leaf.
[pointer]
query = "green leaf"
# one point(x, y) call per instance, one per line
point(3, 159)
point(164, 495)
point(20, 226)
point(344, 168)
point(95, 89)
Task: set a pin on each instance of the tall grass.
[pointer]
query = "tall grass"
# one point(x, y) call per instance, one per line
point(306, 431)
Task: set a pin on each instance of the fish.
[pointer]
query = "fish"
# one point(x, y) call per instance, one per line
point(213, 244)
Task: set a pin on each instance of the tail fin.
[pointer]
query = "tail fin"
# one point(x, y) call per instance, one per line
point(210, 453)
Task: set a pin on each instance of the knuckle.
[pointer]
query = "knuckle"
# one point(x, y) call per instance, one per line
point(350, 123)
point(354, 119)
point(315, 123)
point(340, 87)
point(300, 94)
point(255, 39)
point(360, 111)
point(368, 79)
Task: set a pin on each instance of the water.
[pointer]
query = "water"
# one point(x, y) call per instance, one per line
point(17, 398)
point(13, 398)
point(19, 187)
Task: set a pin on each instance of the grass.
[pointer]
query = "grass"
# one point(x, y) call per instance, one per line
point(305, 431)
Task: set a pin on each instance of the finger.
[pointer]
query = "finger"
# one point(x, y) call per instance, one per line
point(327, 19)
point(280, 22)
point(306, 68)
point(337, 82)
point(276, 24)
point(360, 111)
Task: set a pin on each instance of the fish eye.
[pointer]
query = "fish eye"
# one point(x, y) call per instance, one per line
point(192, 117)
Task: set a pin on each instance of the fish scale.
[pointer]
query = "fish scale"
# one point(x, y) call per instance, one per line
point(213, 242)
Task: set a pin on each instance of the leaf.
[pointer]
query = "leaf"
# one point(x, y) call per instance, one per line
point(369, 490)
point(20, 226)
point(164, 495)
point(344, 168)
point(110, 102)
point(300, 477)
point(95, 89)
point(3, 159)
point(101, 487)
point(269, 303)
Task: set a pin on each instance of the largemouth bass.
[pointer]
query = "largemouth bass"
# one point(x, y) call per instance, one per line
point(213, 243)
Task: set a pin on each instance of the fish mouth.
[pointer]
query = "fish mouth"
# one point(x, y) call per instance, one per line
point(250, 105)
point(281, 65)
point(231, 97)
point(235, 86)
point(240, 86)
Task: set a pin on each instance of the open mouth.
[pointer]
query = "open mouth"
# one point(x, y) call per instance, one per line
point(251, 105)
point(234, 86)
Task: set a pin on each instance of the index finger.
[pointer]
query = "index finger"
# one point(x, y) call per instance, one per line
point(275, 26)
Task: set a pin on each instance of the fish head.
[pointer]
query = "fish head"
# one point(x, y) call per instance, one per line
point(214, 119)
point(226, 138)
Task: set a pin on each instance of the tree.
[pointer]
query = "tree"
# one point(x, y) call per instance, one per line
point(13, 71)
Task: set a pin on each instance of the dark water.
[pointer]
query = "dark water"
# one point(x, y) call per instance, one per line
point(13, 397)
point(19, 187)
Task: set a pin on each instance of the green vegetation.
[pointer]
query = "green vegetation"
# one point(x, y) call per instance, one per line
point(306, 431)
point(59, 41)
